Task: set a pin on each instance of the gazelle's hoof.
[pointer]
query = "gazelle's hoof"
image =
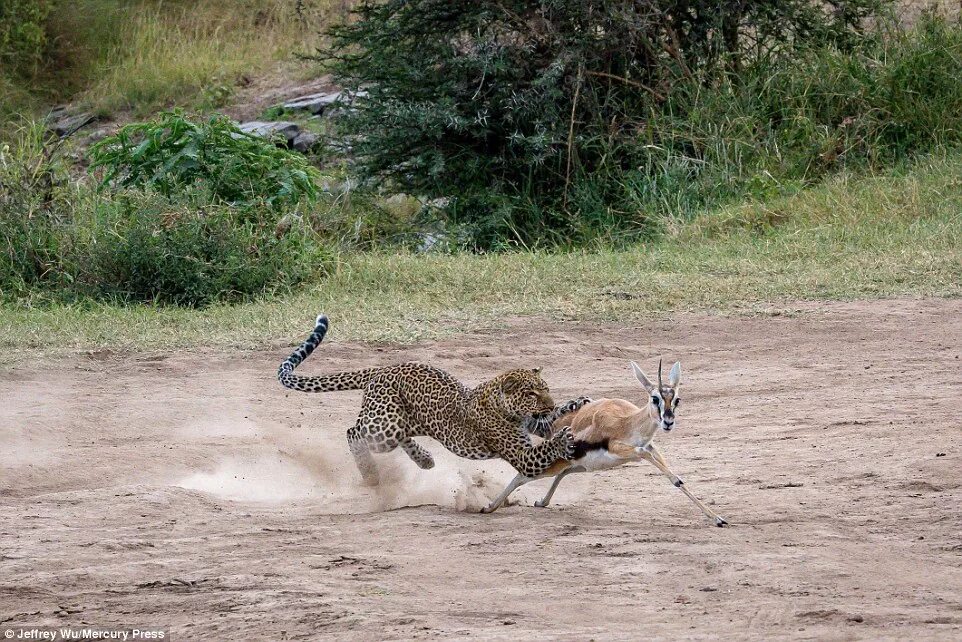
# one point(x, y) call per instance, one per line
point(540, 504)
point(489, 509)
point(719, 522)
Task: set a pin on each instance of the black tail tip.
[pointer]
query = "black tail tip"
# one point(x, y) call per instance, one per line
point(321, 321)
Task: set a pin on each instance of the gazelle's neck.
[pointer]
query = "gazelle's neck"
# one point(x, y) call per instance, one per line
point(644, 425)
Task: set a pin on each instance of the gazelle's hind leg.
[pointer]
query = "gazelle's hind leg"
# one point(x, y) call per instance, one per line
point(519, 480)
point(544, 501)
point(418, 453)
point(659, 462)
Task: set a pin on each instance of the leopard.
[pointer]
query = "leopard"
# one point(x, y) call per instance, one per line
point(407, 400)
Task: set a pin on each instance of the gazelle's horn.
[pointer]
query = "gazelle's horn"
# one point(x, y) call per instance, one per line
point(659, 374)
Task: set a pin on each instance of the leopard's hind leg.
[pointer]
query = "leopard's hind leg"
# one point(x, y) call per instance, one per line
point(381, 427)
point(361, 450)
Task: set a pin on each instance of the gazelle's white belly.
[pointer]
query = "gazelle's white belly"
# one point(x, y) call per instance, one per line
point(598, 459)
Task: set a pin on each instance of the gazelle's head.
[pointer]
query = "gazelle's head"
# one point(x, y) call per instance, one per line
point(663, 399)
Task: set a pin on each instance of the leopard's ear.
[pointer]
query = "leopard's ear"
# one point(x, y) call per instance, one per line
point(511, 384)
point(537, 370)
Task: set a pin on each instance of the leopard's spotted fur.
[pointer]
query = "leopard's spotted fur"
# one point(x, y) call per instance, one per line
point(413, 399)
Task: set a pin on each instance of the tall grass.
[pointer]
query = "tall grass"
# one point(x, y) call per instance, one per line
point(37, 201)
point(145, 54)
point(163, 53)
point(782, 125)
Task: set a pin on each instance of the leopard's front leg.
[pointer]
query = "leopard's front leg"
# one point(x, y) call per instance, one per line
point(514, 446)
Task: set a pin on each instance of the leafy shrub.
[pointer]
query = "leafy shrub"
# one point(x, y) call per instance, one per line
point(63, 239)
point(143, 248)
point(35, 222)
point(781, 124)
point(535, 115)
point(22, 34)
point(176, 156)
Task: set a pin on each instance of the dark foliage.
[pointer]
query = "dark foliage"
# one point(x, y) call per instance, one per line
point(533, 116)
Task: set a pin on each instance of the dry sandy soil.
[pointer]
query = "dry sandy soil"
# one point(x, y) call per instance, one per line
point(189, 490)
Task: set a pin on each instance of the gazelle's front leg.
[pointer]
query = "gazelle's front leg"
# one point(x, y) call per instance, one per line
point(519, 480)
point(651, 454)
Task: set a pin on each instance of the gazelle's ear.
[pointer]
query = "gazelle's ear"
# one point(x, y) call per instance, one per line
point(641, 376)
point(674, 376)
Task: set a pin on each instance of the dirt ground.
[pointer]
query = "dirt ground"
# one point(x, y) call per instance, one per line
point(189, 490)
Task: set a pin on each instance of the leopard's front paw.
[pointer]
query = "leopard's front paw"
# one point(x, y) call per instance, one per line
point(576, 404)
point(564, 442)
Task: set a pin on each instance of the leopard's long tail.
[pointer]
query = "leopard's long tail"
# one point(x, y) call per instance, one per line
point(353, 380)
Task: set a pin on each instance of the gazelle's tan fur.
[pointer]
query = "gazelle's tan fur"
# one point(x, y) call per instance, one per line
point(612, 432)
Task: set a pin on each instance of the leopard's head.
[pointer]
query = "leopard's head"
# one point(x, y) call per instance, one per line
point(523, 393)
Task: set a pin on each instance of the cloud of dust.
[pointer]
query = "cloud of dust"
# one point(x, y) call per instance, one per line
point(299, 465)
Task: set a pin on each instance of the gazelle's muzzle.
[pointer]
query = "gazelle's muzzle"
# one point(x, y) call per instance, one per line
point(668, 421)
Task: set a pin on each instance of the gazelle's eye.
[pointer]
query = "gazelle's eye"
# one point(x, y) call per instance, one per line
point(677, 401)
point(654, 400)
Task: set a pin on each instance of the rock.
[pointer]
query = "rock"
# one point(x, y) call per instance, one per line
point(304, 141)
point(325, 103)
point(288, 134)
point(314, 103)
point(281, 129)
point(345, 103)
point(430, 241)
point(337, 189)
point(97, 135)
point(401, 206)
point(438, 203)
point(63, 122)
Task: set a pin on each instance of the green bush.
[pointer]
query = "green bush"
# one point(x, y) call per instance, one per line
point(783, 123)
point(533, 117)
point(176, 156)
point(62, 239)
point(23, 37)
point(143, 248)
point(35, 213)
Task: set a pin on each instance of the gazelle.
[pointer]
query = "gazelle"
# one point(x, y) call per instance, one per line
point(612, 432)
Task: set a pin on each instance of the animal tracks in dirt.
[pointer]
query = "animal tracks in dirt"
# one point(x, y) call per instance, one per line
point(359, 567)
